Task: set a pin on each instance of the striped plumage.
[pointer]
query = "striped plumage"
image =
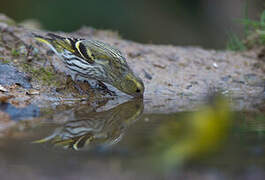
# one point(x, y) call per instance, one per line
point(94, 60)
point(95, 128)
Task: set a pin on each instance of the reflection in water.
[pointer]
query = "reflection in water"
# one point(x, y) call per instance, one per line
point(96, 128)
point(15, 113)
point(171, 142)
point(197, 134)
point(159, 146)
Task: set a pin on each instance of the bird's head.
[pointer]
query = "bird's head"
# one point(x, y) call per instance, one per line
point(115, 69)
point(131, 84)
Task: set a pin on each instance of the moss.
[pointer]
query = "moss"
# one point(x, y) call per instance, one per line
point(15, 52)
point(5, 61)
point(45, 75)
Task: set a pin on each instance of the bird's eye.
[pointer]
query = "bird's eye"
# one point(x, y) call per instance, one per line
point(138, 90)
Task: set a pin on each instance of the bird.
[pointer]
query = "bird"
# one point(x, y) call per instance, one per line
point(94, 129)
point(90, 59)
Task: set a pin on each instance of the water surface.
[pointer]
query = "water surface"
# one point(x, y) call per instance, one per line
point(124, 142)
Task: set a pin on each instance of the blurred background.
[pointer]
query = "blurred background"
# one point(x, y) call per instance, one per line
point(205, 23)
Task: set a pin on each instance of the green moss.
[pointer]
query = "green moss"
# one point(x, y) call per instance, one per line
point(45, 75)
point(15, 52)
point(5, 61)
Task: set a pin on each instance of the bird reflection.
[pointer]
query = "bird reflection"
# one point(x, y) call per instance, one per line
point(95, 129)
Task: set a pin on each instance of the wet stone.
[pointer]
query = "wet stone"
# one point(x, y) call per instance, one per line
point(15, 113)
point(10, 75)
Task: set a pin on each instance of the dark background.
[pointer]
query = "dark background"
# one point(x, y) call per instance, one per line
point(204, 23)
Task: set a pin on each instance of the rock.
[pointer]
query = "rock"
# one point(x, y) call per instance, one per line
point(4, 99)
point(20, 113)
point(6, 20)
point(5, 121)
point(3, 89)
point(31, 24)
point(175, 78)
point(10, 75)
point(33, 92)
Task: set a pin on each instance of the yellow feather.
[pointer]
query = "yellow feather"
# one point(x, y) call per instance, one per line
point(42, 40)
point(77, 45)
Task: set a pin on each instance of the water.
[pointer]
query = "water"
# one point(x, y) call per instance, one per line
point(124, 142)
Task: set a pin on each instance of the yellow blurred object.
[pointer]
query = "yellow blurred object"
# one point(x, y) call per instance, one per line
point(199, 133)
